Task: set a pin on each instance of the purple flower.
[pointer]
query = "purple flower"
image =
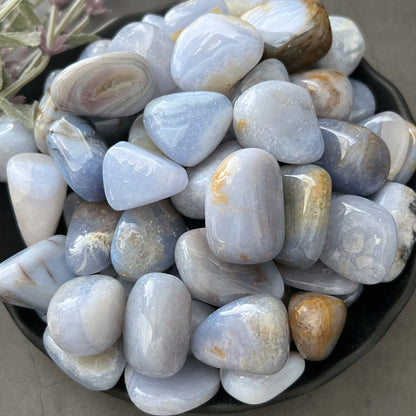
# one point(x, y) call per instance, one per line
point(58, 46)
point(95, 7)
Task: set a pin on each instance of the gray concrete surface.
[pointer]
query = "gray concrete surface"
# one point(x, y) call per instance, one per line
point(383, 383)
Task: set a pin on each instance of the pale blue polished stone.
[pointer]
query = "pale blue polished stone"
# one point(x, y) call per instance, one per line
point(155, 20)
point(85, 316)
point(350, 298)
point(317, 278)
point(89, 238)
point(145, 238)
point(192, 386)
point(31, 277)
point(409, 166)
point(152, 44)
point(290, 134)
point(244, 212)
point(191, 201)
point(256, 389)
point(307, 197)
point(363, 102)
point(356, 158)
point(188, 126)
point(95, 49)
point(71, 203)
point(181, 15)
point(135, 177)
point(214, 52)
point(361, 241)
point(250, 334)
point(78, 154)
point(111, 130)
point(200, 311)
point(157, 326)
point(217, 282)
point(400, 201)
point(139, 137)
point(95, 372)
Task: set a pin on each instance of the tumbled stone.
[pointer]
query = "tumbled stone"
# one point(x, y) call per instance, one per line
point(188, 126)
point(192, 386)
point(356, 158)
point(233, 210)
point(279, 117)
point(37, 192)
point(256, 389)
point(361, 241)
point(48, 82)
point(259, 320)
point(31, 277)
point(139, 137)
point(191, 201)
point(363, 102)
point(239, 7)
point(394, 132)
point(89, 238)
point(400, 201)
point(152, 44)
point(157, 326)
point(331, 92)
point(214, 52)
point(409, 166)
point(350, 298)
point(95, 372)
point(316, 322)
point(78, 154)
point(145, 238)
point(347, 46)
point(200, 311)
point(217, 282)
point(85, 316)
point(317, 278)
point(155, 20)
point(115, 84)
point(297, 32)
point(95, 49)
point(15, 138)
point(307, 197)
point(135, 177)
point(71, 203)
point(111, 129)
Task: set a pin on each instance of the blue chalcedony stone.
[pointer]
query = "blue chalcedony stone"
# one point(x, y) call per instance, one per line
point(200, 311)
point(78, 154)
point(155, 20)
point(363, 102)
point(245, 199)
point(134, 177)
point(188, 126)
point(361, 241)
point(409, 166)
point(71, 203)
point(145, 238)
point(250, 334)
point(356, 158)
point(95, 48)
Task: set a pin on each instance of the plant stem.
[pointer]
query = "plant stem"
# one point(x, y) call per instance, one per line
point(80, 26)
point(51, 27)
point(69, 16)
point(8, 7)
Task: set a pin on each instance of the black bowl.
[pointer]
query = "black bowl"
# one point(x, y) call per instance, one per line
point(369, 317)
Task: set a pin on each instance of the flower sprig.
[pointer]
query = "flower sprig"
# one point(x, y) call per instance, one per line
point(27, 43)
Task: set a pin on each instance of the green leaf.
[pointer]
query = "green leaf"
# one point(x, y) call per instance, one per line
point(14, 39)
point(25, 8)
point(73, 41)
point(25, 113)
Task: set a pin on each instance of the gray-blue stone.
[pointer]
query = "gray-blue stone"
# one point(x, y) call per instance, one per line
point(85, 316)
point(31, 277)
point(72, 201)
point(78, 154)
point(49, 79)
point(112, 129)
point(409, 166)
point(192, 386)
point(279, 117)
point(307, 197)
point(145, 238)
point(191, 201)
point(250, 334)
point(200, 311)
point(157, 325)
point(361, 241)
point(95, 49)
point(139, 137)
point(135, 177)
point(95, 372)
point(356, 158)
point(217, 282)
point(363, 102)
point(188, 126)
point(350, 298)
point(89, 237)
point(244, 212)
point(155, 20)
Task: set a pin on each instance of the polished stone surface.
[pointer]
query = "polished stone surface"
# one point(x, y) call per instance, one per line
point(200, 311)
point(155, 20)
point(139, 137)
point(250, 334)
point(144, 240)
point(409, 166)
point(363, 102)
point(95, 49)
point(157, 327)
point(72, 201)
point(291, 135)
point(85, 316)
point(214, 52)
point(218, 282)
point(239, 7)
point(233, 211)
point(361, 241)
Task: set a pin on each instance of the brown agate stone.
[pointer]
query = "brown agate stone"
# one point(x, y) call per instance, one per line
point(316, 322)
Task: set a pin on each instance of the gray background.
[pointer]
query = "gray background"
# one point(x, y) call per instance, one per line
point(381, 383)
